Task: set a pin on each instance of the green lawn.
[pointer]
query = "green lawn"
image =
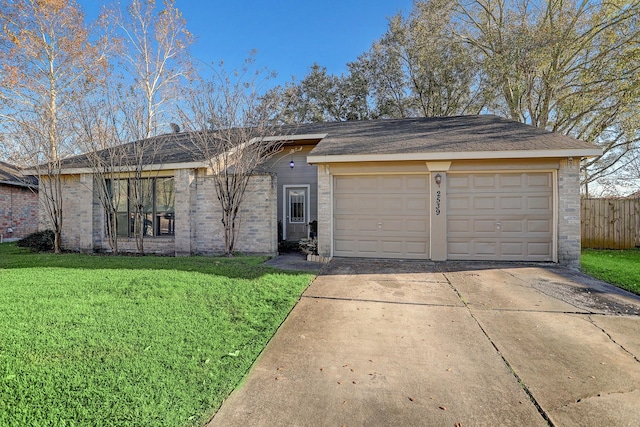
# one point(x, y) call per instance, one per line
point(131, 341)
point(620, 268)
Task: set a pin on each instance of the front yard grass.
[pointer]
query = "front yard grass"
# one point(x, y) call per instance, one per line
point(131, 341)
point(620, 268)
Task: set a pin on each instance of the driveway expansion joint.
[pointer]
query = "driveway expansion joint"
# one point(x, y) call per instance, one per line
point(316, 297)
point(522, 310)
point(593, 322)
point(595, 396)
point(517, 377)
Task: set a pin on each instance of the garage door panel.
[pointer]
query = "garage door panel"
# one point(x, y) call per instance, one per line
point(417, 204)
point(457, 249)
point(393, 224)
point(349, 204)
point(484, 202)
point(392, 204)
point(392, 247)
point(343, 224)
point(457, 182)
point(539, 249)
point(367, 246)
point(512, 226)
point(486, 181)
point(483, 226)
point(458, 202)
point(509, 250)
point(539, 226)
point(344, 245)
point(511, 203)
point(365, 184)
point(542, 202)
point(485, 248)
point(539, 180)
point(513, 220)
point(417, 226)
point(458, 226)
point(418, 248)
point(417, 184)
point(390, 183)
point(512, 249)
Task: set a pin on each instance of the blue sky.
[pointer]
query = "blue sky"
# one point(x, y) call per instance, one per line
point(289, 35)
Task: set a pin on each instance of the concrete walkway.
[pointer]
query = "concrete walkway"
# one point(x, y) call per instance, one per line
point(392, 343)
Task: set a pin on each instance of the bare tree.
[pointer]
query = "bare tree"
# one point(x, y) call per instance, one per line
point(119, 126)
point(122, 166)
point(47, 63)
point(100, 130)
point(154, 55)
point(230, 125)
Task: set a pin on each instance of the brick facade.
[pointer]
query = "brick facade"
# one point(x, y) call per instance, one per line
point(18, 211)
point(325, 210)
point(198, 229)
point(569, 212)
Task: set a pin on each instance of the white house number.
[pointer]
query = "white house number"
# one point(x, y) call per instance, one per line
point(438, 202)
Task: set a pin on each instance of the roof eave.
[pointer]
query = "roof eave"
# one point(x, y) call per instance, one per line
point(145, 168)
point(19, 184)
point(467, 155)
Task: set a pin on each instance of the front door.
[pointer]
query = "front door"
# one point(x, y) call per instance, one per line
point(296, 212)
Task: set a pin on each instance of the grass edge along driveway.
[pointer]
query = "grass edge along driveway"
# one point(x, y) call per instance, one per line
point(618, 267)
point(131, 341)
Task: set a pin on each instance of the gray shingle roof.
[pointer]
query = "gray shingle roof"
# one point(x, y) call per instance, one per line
point(438, 135)
point(12, 175)
point(161, 149)
point(374, 137)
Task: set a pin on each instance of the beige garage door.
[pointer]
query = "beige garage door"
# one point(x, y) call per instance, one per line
point(500, 216)
point(381, 216)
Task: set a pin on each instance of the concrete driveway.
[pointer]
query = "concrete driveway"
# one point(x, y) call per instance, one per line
point(414, 343)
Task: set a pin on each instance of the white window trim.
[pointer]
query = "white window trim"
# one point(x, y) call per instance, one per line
point(285, 207)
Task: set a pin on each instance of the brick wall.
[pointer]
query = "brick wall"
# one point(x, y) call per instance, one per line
point(569, 213)
point(257, 218)
point(18, 211)
point(198, 229)
point(324, 211)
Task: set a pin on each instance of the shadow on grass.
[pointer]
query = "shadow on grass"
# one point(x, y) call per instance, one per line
point(238, 267)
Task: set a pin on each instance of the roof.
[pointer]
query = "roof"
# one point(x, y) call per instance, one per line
point(169, 148)
point(12, 175)
point(444, 138)
point(460, 137)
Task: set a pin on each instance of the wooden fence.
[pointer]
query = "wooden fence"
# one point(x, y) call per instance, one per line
point(610, 223)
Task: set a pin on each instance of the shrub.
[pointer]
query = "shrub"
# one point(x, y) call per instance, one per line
point(41, 241)
point(309, 246)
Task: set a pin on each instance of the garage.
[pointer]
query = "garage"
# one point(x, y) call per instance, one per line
point(500, 216)
point(449, 188)
point(385, 216)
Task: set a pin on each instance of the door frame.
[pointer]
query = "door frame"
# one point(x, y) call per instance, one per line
point(285, 206)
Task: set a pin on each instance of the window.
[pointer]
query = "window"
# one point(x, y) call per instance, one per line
point(156, 198)
point(296, 206)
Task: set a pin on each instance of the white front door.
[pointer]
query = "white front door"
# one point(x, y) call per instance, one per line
point(296, 213)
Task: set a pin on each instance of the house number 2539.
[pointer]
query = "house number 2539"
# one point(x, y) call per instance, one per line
point(438, 202)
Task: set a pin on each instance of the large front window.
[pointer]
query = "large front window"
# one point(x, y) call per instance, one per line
point(146, 205)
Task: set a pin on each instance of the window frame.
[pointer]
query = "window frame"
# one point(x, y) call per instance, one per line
point(156, 216)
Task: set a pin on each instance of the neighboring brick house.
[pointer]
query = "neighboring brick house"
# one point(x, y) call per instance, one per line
point(451, 188)
point(18, 203)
